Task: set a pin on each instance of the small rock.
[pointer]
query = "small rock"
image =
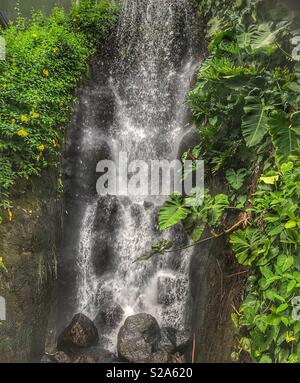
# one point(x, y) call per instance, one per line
point(58, 357)
point(80, 333)
point(48, 359)
point(183, 340)
point(138, 338)
point(95, 355)
point(168, 340)
point(110, 313)
point(159, 357)
point(62, 357)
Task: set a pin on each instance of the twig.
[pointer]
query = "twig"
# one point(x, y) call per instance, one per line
point(236, 274)
point(194, 349)
point(215, 236)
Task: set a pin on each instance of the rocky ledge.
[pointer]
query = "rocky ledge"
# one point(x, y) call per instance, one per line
point(140, 340)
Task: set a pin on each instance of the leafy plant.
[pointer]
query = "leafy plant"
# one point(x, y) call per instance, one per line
point(245, 105)
point(46, 58)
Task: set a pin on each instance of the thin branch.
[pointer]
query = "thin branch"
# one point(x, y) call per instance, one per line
point(215, 236)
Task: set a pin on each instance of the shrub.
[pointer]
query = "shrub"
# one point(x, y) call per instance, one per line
point(45, 58)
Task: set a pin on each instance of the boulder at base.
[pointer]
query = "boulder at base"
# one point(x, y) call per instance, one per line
point(81, 333)
point(94, 355)
point(138, 338)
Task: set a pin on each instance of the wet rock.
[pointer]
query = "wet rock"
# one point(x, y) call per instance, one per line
point(80, 333)
point(110, 313)
point(58, 357)
point(183, 340)
point(166, 288)
point(95, 355)
point(168, 340)
point(138, 338)
point(170, 289)
point(48, 359)
point(148, 205)
point(159, 357)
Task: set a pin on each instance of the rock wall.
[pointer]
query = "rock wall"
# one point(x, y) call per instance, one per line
point(218, 283)
point(28, 245)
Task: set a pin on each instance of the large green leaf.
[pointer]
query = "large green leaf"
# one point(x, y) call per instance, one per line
point(285, 134)
point(255, 120)
point(258, 38)
point(172, 212)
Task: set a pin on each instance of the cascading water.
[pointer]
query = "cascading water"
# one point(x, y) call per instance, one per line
point(138, 109)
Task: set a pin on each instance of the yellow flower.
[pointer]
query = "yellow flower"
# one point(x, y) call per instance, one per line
point(22, 133)
point(46, 72)
point(41, 148)
point(24, 118)
point(10, 215)
point(289, 337)
point(35, 115)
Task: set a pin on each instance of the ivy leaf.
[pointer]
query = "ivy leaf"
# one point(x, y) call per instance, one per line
point(255, 120)
point(172, 212)
point(285, 135)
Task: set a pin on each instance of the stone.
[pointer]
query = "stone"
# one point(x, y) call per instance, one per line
point(168, 340)
point(138, 338)
point(62, 357)
point(159, 357)
point(80, 333)
point(110, 313)
point(183, 340)
point(58, 357)
point(95, 355)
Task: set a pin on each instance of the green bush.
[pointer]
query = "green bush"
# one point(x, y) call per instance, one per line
point(46, 57)
point(246, 106)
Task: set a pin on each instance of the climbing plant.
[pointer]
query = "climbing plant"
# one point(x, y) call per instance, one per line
point(45, 59)
point(246, 107)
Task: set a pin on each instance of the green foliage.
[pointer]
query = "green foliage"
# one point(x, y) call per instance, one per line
point(46, 56)
point(246, 108)
point(157, 249)
point(236, 179)
point(94, 19)
point(172, 212)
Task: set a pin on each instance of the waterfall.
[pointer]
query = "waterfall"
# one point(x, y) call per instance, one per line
point(135, 104)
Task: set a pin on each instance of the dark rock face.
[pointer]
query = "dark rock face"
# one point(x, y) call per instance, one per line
point(29, 247)
point(183, 340)
point(110, 313)
point(138, 338)
point(159, 357)
point(58, 357)
point(168, 340)
point(95, 355)
point(80, 333)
